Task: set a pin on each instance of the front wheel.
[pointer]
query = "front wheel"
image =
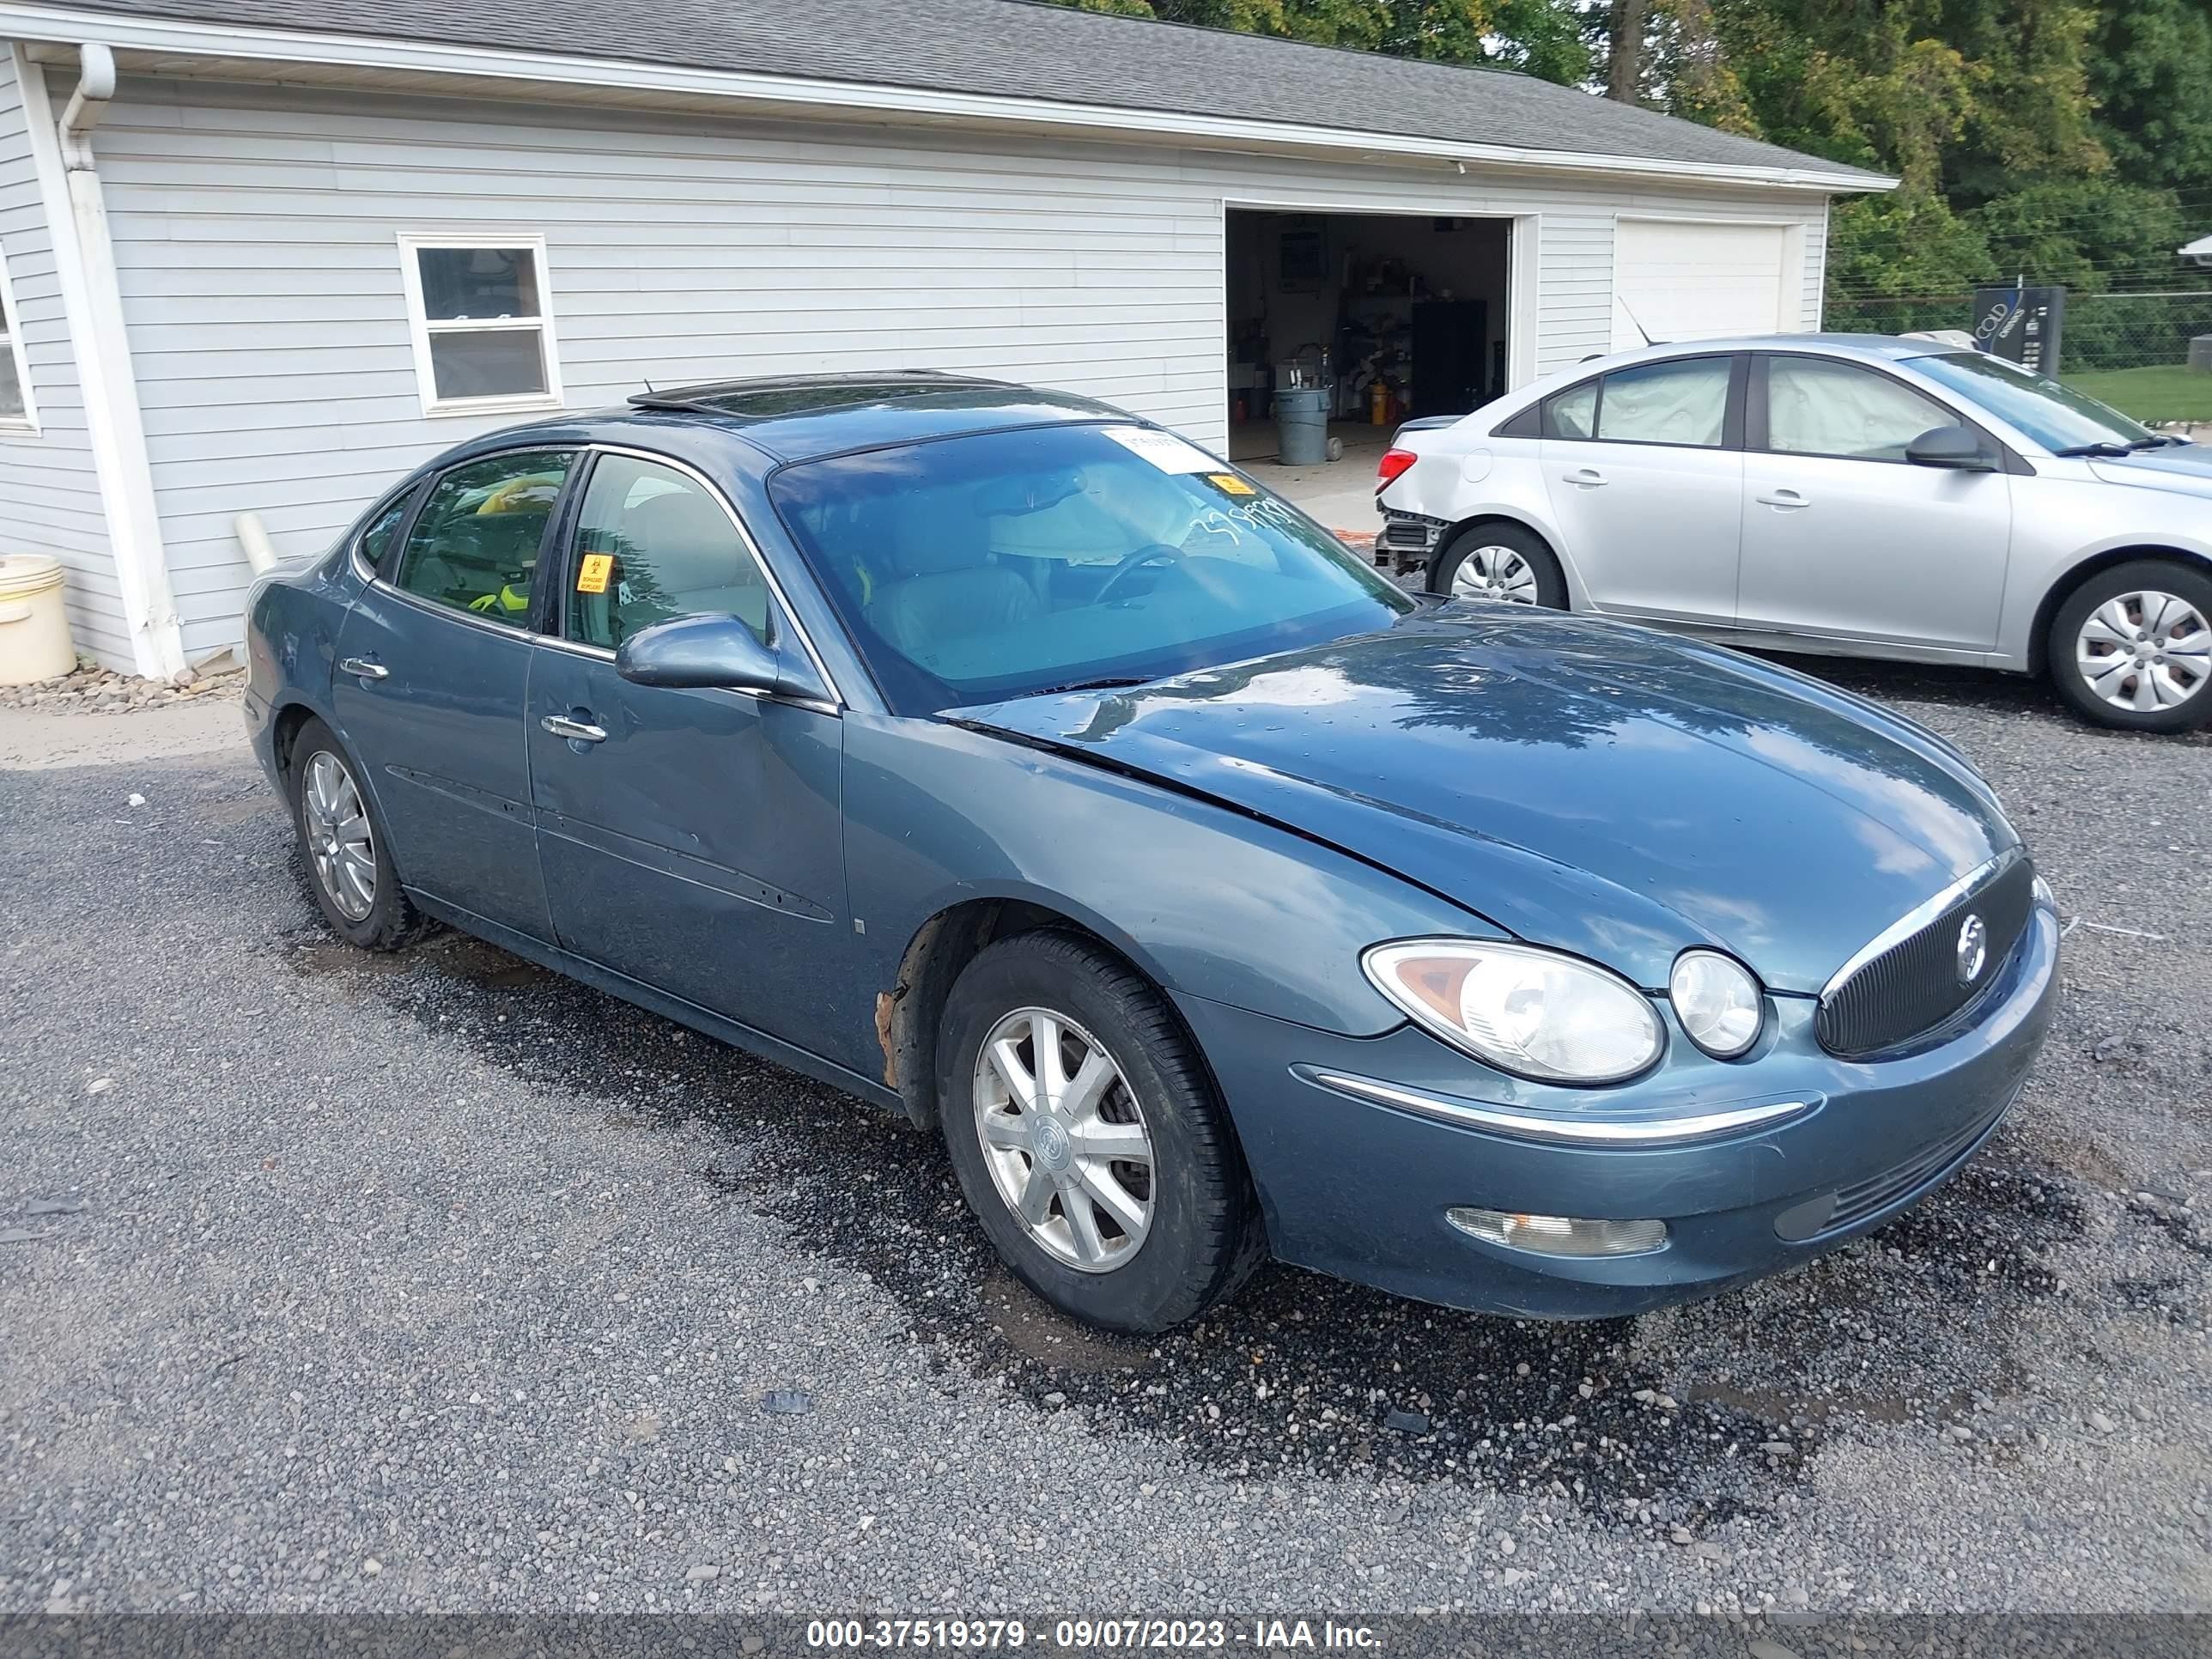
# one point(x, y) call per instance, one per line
point(1503, 561)
point(1087, 1137)
point(2132, 646)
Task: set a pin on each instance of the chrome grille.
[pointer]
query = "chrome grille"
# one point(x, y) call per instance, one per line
point(1911, 987)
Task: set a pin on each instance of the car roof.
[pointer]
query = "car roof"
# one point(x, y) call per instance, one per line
point(1890, 347)
point(800, 418)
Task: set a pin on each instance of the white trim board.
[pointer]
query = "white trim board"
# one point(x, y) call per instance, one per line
point(172, 37)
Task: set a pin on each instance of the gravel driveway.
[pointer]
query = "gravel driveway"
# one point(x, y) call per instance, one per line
point(333, 1282)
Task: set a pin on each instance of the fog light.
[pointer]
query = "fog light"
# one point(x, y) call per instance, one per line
point(1559, 1235)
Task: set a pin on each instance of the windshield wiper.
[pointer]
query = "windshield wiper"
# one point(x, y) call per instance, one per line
point(2103, 446)
point(2157, 441)
point(1085, 685)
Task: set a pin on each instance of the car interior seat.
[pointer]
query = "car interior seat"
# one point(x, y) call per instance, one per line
point(945, 583)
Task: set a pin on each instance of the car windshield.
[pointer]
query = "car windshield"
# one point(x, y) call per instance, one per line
point(2054, 415)
point(1008, 564)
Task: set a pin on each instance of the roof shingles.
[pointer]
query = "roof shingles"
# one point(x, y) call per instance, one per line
point(1010, 48)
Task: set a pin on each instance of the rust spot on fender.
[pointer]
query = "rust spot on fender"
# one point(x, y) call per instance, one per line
point(886, 1004)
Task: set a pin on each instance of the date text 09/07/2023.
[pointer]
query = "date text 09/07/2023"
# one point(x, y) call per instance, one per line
point(1085, 1635)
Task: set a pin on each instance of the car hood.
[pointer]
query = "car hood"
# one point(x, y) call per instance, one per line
point(2186, 468)
point(1582, 784)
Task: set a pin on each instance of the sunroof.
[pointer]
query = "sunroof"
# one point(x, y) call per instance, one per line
point(761, 401)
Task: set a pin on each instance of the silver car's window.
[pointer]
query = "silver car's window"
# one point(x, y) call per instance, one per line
point(1820, 408)
point(2054, 415)
point(652, 545)
point(474, 546)
point(1572, 413)
point(1674, 403)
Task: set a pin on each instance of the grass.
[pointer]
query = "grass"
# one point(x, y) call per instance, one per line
point(2164, 394)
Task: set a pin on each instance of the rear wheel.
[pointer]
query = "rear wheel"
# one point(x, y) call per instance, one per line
point(1087, 1137)
point(2132, 646)
point(349, 862)
point(1504, 562)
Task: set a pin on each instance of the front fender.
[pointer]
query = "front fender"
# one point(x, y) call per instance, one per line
point(1208, 900)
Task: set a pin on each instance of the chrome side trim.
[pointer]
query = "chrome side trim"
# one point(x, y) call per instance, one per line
point(1920, 915)
point(1531, 1125)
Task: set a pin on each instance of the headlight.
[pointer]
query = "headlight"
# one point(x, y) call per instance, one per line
point(1717, 1001)
point(1533, 1012)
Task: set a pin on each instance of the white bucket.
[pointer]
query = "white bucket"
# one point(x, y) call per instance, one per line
point(34, 631)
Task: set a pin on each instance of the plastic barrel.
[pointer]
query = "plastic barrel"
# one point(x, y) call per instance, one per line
point(34, 632)
point(1302, 425)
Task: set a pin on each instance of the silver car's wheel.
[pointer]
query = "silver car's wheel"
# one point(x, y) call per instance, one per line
point(2145, 651)
point(1492, 572)
point(340, 842)
point(1065, 1139)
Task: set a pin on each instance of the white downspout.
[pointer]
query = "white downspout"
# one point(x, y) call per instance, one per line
point(84, 261)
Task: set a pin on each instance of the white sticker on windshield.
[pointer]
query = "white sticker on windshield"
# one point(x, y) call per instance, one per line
point(1162, 449)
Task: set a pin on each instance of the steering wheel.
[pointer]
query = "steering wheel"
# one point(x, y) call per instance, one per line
point(1149, 553)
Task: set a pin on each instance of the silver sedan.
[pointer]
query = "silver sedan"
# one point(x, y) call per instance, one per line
point(1850, 494)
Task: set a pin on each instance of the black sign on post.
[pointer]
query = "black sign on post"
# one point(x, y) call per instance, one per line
point(2021, 325)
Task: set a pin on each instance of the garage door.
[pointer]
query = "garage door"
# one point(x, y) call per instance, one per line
point(1693, 281)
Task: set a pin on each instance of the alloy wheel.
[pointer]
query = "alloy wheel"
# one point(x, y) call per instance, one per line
point(1493, 572)
point(340, 842)
point(1065, 1139)
point(2145, 651)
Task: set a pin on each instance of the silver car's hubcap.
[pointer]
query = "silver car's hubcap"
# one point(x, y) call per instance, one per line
point(339, 840)
point(1064, 1139)
point(1495, 573)
point(2145, 651)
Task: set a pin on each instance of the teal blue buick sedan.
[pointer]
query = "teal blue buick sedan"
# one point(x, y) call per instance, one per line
point(1027, 771)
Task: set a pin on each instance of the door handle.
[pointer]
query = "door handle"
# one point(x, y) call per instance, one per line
point(1785, 498)
point(1588, 478)
point(575, 731)
point(362, 669)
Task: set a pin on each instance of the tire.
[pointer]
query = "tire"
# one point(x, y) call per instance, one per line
point(1201, 1234)
point(386, 919)
point(1530, 570)
point(2162, 603)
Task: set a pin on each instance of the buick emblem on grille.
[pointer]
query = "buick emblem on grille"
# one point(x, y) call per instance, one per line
point(1973, 949)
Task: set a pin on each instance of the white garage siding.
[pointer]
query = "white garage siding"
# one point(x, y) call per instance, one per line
point(255, 239)
point(49, 492)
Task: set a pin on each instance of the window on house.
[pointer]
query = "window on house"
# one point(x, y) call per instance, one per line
point(14, 374)
point(483, 323)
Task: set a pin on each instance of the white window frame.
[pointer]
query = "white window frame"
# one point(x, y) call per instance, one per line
point(419, 327)
point(26, 424)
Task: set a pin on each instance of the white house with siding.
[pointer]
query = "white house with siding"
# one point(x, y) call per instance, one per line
point(262, 255)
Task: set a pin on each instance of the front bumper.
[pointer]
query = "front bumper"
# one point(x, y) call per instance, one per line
point(1357, 1188)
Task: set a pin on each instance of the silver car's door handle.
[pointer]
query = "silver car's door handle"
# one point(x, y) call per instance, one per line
point(575, 731)
point(1785, 498)
point(362, 669)
point(1588, 476)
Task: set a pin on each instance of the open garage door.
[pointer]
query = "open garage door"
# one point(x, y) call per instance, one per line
point(1679, 281)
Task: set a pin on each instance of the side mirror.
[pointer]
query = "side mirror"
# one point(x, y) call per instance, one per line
point(1950, 447)
point(709, 653)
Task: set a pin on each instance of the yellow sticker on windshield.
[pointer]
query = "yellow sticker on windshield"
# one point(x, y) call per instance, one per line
point(591, 575)
point(1230, 485)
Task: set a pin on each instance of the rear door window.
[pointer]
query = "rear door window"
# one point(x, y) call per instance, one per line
point(1684, 404)
point(474, 544)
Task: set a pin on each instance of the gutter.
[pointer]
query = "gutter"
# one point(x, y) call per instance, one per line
point(862, 100)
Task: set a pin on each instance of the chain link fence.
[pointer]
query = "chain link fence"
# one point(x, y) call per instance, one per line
point(2131, 349)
